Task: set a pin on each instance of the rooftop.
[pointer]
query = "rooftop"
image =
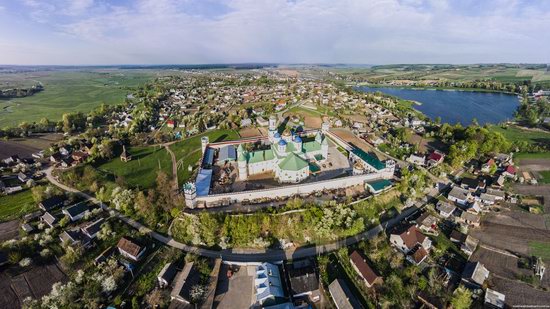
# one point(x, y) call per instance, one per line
point(368, 158)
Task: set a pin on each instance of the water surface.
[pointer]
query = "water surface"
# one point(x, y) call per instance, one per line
point(457, 106)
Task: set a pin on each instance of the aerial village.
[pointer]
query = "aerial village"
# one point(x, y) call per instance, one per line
point(430, 231)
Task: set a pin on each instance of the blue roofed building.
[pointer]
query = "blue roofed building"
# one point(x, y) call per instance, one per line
point(268, 284)
point(204, 179)
point(227, 153)
point(208, 158)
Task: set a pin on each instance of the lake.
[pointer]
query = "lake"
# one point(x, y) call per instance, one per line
point(455, 106)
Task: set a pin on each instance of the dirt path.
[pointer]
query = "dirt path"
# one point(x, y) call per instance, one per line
point(174, 168)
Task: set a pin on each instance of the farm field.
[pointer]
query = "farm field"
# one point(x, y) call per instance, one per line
point(539, 248)
point(16, 205)
point(142, 170)
point(531, 155)
point(24, 147)
point(68, 91)
point(502, 73)
point(545, 177)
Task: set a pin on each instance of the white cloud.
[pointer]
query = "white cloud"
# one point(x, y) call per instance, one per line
point(346, 31)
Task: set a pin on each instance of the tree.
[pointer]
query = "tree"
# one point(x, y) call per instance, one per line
point(156, 299)
point(64, 221)
point(208, 228)
point(462, 298)
point(122, 200)
point(197, 293)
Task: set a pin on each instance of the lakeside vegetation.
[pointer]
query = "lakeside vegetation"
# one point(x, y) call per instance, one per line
point(524, 139)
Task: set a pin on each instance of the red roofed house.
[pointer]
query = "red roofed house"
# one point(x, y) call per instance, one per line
point(362, 268)
point(510, 171)
point(170, 123)
point(417, 255)
point(435, 158)
point(412, 243)
point(408, 239)
point(487, 166)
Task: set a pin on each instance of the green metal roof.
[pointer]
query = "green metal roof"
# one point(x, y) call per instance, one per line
point(314, 168)
point(370, 159)
point(260, 156)
point(241, 153)
point(311, 146)
point(380, 184)
point(293, 163)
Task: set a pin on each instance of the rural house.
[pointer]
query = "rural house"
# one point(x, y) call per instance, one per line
point(130, 249)
point(76, 211)
point(51, 203)
point(362, 268)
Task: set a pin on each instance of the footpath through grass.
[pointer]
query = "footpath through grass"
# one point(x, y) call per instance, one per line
point(16, 205)
point(188, 151)
point(142, 170)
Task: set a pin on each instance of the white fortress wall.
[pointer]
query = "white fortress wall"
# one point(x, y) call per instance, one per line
point(305, 188)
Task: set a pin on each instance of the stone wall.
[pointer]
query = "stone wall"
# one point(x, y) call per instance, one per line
point(304, 188)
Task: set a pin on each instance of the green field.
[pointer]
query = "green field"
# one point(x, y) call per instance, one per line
point(540, 249)
point(531, 155)
point(68, 91)
point(545, 177)
point(142, 170)
point(188, 151)
point(515, 134)
point(16, 205)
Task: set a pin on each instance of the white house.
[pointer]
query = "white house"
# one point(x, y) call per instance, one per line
point(460, 195)
point(417, 160)
point(445, 209)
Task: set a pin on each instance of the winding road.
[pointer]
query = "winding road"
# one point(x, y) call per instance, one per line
point(241, 255)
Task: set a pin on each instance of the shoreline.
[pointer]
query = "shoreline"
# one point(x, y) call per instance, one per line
point(435, 88)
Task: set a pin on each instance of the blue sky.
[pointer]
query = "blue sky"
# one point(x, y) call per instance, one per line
point(283, 31)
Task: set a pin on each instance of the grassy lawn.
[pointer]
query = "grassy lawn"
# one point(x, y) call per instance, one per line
point(541, 249)
point(16, 205)
point(303, 110)
point(188, 151)
point(531, 155)
point(545, 177)
point(142, 170)
point(515, 134)
point(72, 91)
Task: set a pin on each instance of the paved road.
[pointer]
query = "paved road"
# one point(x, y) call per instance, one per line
point(242, 256)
